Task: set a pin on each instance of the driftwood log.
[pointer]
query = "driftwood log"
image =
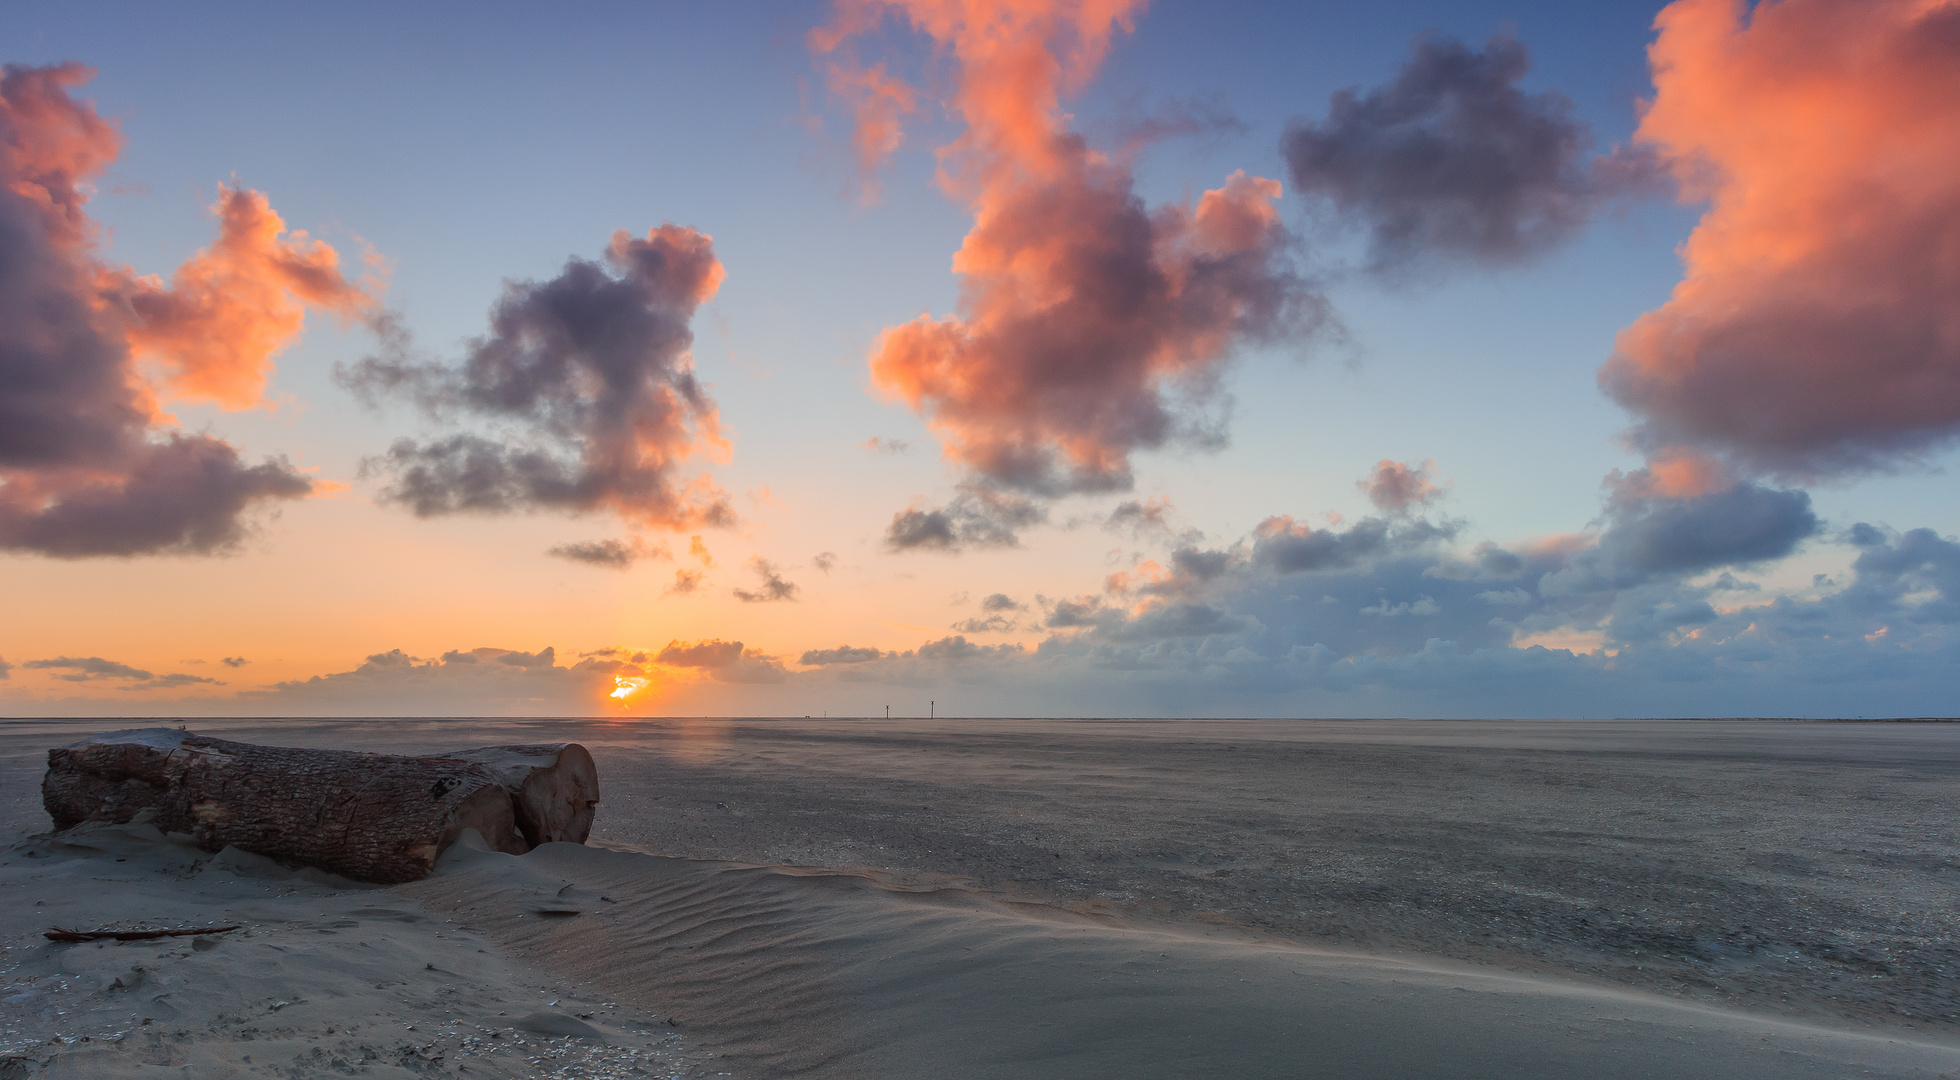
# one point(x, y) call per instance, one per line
point(58, 934)
point(554, 788)
point(372, 817)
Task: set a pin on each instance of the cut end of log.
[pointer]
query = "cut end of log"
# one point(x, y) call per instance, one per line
point(554, 788)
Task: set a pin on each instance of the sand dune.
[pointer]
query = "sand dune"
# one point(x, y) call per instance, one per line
point(1045, 899)
point(326, 977)
point(808, 973)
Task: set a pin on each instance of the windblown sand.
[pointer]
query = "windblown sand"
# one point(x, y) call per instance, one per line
point(1053, 899)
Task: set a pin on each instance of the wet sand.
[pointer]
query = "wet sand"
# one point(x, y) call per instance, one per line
point(1765, 884)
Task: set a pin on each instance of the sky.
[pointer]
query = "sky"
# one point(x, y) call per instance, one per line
point(981, 357)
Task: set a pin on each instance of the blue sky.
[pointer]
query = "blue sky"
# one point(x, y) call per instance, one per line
point(474, 146)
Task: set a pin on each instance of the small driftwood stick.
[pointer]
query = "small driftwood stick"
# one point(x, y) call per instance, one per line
point(58, 934)
point(371, 817)
point(554, 787)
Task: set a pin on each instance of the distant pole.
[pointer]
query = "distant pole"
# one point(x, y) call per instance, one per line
point(932, 711)
point(888, 712)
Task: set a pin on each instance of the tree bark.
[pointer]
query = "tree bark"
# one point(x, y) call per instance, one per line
point(553, 788)
point(371, 817)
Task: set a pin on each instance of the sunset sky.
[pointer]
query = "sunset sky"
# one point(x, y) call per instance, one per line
point(992, 357)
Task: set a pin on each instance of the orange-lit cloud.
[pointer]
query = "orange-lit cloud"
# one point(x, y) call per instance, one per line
point(1089, 325)
point(879, 104)
point(89, 465)
point(231, 307)
point(1815, 330)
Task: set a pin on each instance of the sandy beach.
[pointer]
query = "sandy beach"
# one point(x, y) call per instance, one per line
point(1051, 898)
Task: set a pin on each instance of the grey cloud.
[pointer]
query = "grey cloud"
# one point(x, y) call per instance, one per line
point(1140, 519)
point(1176, 118)
point(976, 517)
point(724, 661)
point(1001, 602)
point(1179, 619)
point(95, 668)
point(842, 654)
point(474, 682)
point(772, 585)
point(611, 554)
point(713, 653)
point(6, 669)
point(234, 661)
point(879, 445)
point(824, 560)
point(1201, 565)
point(1745, 524)
point(187, 494)
point(685, 582)
point(588, 378)
point(958, 649)
point(992, 624)
point(87, 668)
point(1289, 546)
point(1452, 161)
point(175, 679)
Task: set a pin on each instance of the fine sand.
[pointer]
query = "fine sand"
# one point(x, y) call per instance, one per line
point(1052, 899)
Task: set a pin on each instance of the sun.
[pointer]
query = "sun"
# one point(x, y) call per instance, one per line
point(626, 686)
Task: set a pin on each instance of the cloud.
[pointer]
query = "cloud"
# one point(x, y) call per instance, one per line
point(1812, 333)
point(842, 654)
point(1089, 325)
point(1289, 546)
point(1174, 118)
point(1141, 519)
point(1398, 489)
point(976, 517)
point(773, 587)
point(1453, 163)
point(611, 554)
point(234, 661)
point(879, 104)
point(1746, 524)
point(6, 669)
point(996, 609)
point(94, 669)
point(685, 582)
point(824, 560)
point(698, 549)
point(958, 650)
point(886, 446)
point(89, 668)
point(184, 493)
point(588, 384)
point(724, 661)
point(713, 653)
point(481, 681)
point(174, 680)
point(90, 464)
point(992, 624)
point(955, 649)
point(232, 306)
